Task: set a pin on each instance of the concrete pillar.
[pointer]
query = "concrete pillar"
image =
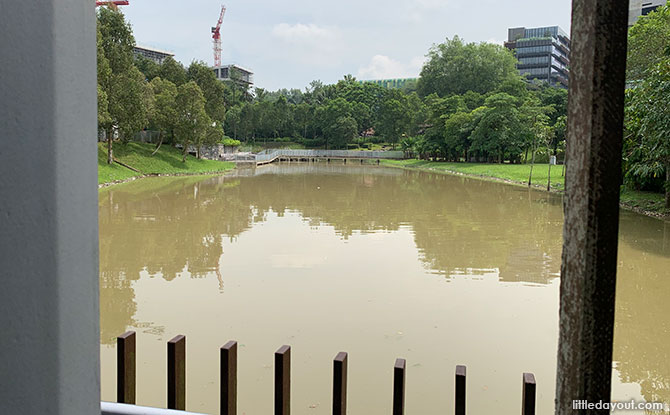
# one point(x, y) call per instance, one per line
point(588, 272)
point(49, 313)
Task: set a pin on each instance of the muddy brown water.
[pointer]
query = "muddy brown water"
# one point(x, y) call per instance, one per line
point(378, 262)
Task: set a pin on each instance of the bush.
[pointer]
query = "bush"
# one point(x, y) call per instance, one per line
point(229, 142)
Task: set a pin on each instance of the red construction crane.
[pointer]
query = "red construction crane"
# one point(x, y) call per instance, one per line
point(216, 35)
point(112, 4)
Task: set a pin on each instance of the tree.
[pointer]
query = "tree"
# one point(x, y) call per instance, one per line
point(394, 116)
point(649, 109)
point(648, 43)
point(128, 102)
point(498, 131)
point(148, 67)
point(164, 115)
point(172, 71)
point(213, 90)
point(457, 130)
point(104, 71)
point(327, 117)
point(119, 80)
point(343, 131)
point(233, 118)
point(304, 114)
point(454, 67)
point(192, 120)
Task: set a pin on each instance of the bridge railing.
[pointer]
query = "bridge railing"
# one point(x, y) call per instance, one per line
point(274, 153)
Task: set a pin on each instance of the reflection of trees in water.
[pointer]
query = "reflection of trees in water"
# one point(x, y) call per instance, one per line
point(164, 226)
point(642, 328)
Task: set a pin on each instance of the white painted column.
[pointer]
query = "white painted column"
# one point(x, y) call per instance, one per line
point(49, 312)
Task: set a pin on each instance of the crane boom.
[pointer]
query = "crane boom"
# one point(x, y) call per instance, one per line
point(216, 36)
point(112, 3)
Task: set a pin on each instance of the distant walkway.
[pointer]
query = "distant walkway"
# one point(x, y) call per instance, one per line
point(269, 156)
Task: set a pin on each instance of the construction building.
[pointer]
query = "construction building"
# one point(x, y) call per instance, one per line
point(236, 73)
point(639, 8)
point(543, 53)
point(155, 55)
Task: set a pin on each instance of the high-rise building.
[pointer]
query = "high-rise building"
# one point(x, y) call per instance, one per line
point(543, 53)
point(639, 8)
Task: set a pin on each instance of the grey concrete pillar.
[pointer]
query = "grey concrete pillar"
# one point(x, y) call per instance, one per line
point(588, 272)
point(49, 313)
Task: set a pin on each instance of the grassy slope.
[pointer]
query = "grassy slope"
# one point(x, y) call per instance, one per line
point(643, 202)
point(517, 173)
point(166, 161)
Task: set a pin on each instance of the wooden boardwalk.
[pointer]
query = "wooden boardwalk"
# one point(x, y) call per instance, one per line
point(270, 156)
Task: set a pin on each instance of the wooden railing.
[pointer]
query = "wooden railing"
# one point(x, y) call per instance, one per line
point(176, 383)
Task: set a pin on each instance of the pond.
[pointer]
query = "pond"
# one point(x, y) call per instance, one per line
point(378, 262)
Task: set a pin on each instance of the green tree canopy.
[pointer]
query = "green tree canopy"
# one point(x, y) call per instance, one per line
point(455, 67)
point(648, 43)
point(192, 121)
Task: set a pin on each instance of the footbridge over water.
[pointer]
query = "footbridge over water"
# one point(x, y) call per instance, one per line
point(269, 156)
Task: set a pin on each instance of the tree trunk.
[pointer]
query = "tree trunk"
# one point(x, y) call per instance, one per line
point(160, 141)
point(184, 152)
point(525, 158)
point(667, 186)
point(549, 176)
point(110, 158)
point(532, 163)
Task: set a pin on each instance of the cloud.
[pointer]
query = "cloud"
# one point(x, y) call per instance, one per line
point(383, 67)
point(304, 33)
point(308, 44)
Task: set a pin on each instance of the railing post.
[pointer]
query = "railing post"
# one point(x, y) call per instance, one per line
point(176, 387)
point(460, 390)
point(229, 378)
point(399, 387)
point(126, 368)
point(528, 396)
point(340, 384)
point(283, 380)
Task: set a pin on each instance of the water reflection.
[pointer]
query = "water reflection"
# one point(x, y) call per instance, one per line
point(642, 328)
point(158, 233)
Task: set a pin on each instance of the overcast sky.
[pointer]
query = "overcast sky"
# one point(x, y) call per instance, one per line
point(289, 43)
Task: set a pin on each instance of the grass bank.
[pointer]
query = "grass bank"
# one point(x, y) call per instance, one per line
point(511, 173)
point(138, 156)
point(648, 203)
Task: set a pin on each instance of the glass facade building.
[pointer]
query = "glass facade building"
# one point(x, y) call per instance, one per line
point(543, 53)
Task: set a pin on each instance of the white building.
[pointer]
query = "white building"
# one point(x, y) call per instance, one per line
point(155, 55)
point(642, 8)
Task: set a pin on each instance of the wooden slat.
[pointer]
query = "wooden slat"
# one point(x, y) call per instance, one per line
point(283, 380)
point(126, 368)
point(460, 390)
point(528, 397)
point(340, 384)
point(176, 387)
point(399, 387)
point(229, 378)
